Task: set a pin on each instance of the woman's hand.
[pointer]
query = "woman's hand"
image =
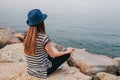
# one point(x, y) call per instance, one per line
point(70, 50)
point(55, 53)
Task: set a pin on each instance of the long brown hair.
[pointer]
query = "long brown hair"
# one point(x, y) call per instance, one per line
point(30, 38)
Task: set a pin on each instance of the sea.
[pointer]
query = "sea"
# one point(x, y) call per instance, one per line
point(97, 32)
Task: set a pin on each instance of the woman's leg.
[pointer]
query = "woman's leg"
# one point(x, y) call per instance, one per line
point(56, 62)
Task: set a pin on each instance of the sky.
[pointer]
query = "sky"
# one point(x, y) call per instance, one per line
point(65, 6)
point(70, 7)
point(61, 4)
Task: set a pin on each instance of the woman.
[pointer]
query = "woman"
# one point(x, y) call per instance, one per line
point(42, 58)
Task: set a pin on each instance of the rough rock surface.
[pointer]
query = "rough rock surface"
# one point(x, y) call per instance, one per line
point(12, 53)
point(117, 59)
point(2, 45)
point(20, 36)
point(88, 63)
point(18, 71)
point(7, 37)
point(105, 76)
point(91, 64)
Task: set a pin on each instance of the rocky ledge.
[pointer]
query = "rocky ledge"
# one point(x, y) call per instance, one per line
point(9, 36)
point(18, 71)
point(82, 65)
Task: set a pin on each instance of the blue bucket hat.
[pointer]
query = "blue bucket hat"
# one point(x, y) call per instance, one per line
point(35, 16)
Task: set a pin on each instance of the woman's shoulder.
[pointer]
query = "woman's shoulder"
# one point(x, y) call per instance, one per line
point(42, 35)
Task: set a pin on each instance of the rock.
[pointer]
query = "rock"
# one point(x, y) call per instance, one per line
point(105, 76)
point(10, 71)
point(8, 29)
point(7, 37)
point(12, 53)
point(2, 45)
point(18, 71)
point(20, 36)
point(118, 61)
point(69, 73)
point(91, 64)
point(118, 71)
point(88, 63)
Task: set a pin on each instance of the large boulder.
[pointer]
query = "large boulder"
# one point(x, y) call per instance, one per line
point(91, 64)
point(7, 37)
point(12, 53)
point(105, 76)
point(18, 71)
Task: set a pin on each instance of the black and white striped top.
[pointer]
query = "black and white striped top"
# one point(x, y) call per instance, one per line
point(38, 64)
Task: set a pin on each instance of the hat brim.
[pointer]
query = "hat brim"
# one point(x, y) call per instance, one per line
point(34, 23)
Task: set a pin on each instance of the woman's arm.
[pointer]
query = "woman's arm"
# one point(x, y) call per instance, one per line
point(54, 52)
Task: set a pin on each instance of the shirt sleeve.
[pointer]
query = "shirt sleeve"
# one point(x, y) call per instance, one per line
point(46, 40)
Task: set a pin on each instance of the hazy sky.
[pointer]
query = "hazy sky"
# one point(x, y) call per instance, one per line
point(107, 7)
point(58, 4)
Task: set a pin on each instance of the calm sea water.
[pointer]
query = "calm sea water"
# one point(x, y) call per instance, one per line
point(98, 33)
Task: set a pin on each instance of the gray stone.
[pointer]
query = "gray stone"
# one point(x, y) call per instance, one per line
point(91, 64)
point(20, 36)
point(7, 37)
point(117, 59)
point(12, 53)
point(105, 76)
point(18, 71)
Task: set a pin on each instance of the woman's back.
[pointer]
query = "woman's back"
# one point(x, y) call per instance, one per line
point(38, 64)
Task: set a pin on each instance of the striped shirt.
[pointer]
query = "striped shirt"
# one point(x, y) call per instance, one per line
point(38, 64)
